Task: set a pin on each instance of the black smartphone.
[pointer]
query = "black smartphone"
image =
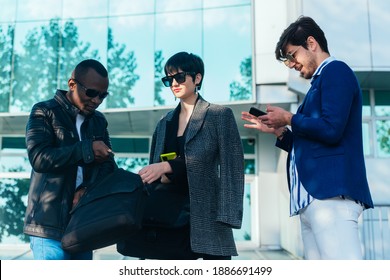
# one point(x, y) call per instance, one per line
point(256, 112)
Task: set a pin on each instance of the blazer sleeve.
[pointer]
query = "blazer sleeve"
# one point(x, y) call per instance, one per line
point(231, 193)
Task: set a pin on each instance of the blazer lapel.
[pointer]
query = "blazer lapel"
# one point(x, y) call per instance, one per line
point(197, 118)
point(160, 134)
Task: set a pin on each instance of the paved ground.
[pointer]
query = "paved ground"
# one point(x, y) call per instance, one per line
point(23, 252)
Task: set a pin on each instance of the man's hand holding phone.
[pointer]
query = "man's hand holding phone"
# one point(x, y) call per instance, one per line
point(256, 112)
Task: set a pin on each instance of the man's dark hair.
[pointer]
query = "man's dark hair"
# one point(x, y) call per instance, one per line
point(187, 62)
point(297, 33)
point(82, 68)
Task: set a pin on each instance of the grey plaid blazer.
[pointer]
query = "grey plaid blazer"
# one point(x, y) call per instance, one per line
point(215, 170)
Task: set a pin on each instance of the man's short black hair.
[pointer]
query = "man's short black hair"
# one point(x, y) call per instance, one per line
point(82, 68)
point(297, 33)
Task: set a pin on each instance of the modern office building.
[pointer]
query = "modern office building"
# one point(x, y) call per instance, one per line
point(42, 40)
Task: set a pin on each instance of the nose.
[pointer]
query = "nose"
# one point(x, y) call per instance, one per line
point(97, 100)
point(174, 82)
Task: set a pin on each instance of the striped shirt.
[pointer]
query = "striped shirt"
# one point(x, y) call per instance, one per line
point(299, 197)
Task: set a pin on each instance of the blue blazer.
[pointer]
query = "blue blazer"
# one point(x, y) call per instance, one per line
point(327, 136)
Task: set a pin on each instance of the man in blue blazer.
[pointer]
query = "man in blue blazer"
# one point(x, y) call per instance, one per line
point(325, 166)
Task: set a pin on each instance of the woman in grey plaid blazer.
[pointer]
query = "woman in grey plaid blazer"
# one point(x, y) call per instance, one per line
point(209, 162)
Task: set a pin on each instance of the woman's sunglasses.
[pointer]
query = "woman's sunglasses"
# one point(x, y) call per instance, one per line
point(179, 78)
point(92, 92)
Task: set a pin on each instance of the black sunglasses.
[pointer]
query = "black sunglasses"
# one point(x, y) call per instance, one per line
point(179, 78)
point(92, 92)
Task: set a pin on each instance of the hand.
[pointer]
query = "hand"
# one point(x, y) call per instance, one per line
point(256, 123)
point(77, 195)
point(101, 151)
point(155, 171)
point(165, 179)
point(276, 117)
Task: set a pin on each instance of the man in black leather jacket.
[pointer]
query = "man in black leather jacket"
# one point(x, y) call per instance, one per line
point(68, 147)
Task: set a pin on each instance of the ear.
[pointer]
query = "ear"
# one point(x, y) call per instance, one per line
point(312, 43)
point(71, 84)
point(198, 79)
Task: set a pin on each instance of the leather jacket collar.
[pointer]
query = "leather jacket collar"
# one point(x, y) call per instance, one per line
point(64, 102)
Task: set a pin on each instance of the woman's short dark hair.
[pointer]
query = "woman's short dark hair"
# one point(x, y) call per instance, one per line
point(186, 62)
point(297, 33)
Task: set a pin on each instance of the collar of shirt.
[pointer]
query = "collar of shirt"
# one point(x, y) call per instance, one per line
point(322, 65)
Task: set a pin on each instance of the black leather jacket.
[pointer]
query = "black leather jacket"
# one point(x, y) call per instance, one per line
point(55, 152)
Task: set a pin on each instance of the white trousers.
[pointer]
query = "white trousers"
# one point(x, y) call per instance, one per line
point(330, 229)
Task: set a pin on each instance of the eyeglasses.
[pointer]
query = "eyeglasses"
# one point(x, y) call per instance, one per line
point(92, 92)
point(289, 57)
point(179, 78)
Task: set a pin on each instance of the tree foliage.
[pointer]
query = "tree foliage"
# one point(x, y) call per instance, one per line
point(54, 50)
point(12, 207)
point(383, 135)
point(158, 74)
point(48, 56)
point(121, 69)
point(242, 90)
point(6, 45)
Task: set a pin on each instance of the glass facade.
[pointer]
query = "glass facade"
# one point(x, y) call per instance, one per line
point(365, 22)
point(132, 39)
point(376, 123)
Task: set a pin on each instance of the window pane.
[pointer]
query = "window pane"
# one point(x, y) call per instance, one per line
point(382, 103)
point(354, 19)
point(245, 232)
point(366, 103)
point(36, 47)
point(249, 166)
point(249, 145)
point(30, 10)
point(6, 41)
point(178, 5)
point(84, 9)
point(14, 163)
point(133, 7)
point(366, 139)
point(173, 34)
point(379, 24)
point(13, 143)
point(131, 164)
point(7, 14)
point(383, 138)
point(13, 202)
point(218, 3)
point(130, 145)
point(131, 63)
point(228, 73)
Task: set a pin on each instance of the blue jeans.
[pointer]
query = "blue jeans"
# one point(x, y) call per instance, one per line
point(50, 249)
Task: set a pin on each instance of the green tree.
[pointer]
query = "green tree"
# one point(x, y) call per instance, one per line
point(158, 74)
point(243, 90)
point(6, 45)
point(132, 164)
point(383, 136)
point(121, 69)
point(49, 55)
point(72, 51)
point(12, 208)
